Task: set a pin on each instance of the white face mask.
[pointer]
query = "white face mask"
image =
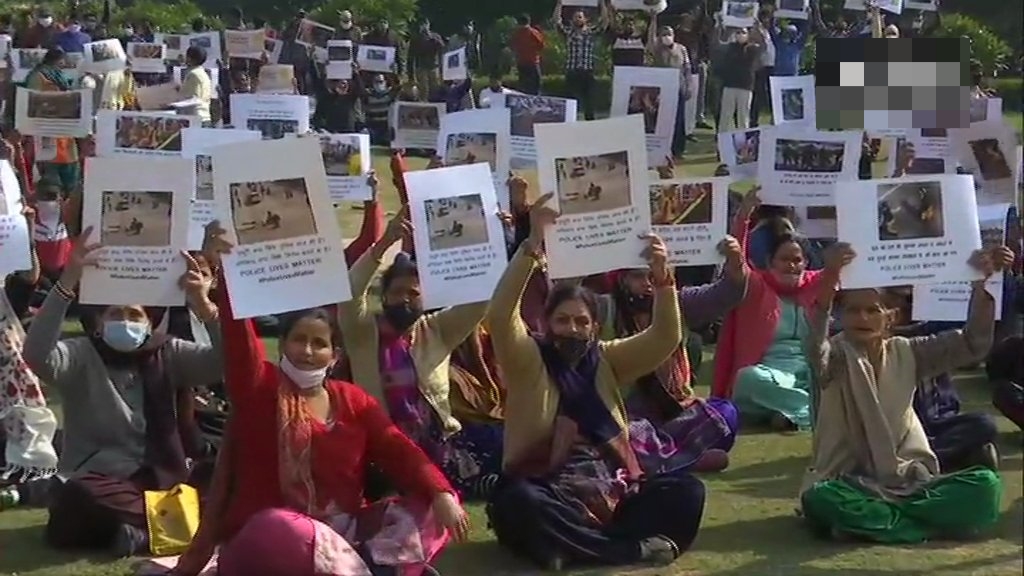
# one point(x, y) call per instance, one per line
point(667, 40)
point(46, 22)
point(346, 25)
point(304, 379)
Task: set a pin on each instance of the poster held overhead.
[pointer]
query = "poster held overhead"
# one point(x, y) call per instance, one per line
point(793, 9)
point(15, 243)
point(473, 136)
point(793, 100)
point(987, 151)
point(740, 150)
point(272, 198)
point(53, 114)
point(920, 230)
point(598, 172)
point(691, 215)
point(147, 57)
point(800, 167)
point(459, 240)
point(248, 44)
point(454, 66)
point(347, 162)
point(652, 93)
point(373, 58)
point(273, 115)
point(526, 112)
point(104, 56)
point(120, 133)
point(138, 210)
point(415, 124)
point(339, 59)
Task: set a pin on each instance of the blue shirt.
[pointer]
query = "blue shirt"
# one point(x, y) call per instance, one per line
point(71, 41)
point(788, 50)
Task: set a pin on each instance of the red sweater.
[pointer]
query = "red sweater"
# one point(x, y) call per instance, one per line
point(362, 433)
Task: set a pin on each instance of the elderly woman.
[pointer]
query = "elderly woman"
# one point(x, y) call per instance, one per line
point(571, 489)
point(125, 390)
point(760, 362)
point(873, 475)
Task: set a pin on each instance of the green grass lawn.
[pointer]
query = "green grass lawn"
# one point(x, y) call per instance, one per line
point(749, 528)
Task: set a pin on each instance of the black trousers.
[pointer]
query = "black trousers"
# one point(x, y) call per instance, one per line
point(531, 521)
point(957, 438)
point(580, 84)
point(762, 99)
point(529, 78)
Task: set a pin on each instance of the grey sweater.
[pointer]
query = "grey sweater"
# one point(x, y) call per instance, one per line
point(104, 426)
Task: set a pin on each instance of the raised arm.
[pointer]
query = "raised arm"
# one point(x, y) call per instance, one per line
point(817, 344)
point(372, 228)
point(704, 304)
point(200, 364)
point(641, 354)
point(951, 349)
point(353, 313)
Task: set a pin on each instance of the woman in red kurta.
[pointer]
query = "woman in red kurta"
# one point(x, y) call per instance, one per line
point(297, 448)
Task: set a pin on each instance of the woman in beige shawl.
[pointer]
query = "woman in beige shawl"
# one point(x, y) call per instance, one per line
point(873, 474)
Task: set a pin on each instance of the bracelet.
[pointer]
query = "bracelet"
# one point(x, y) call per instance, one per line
point(535, 253)
point(668, 280)
point(63, 291)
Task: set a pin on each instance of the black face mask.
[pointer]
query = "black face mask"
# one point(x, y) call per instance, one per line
point(572, 349)
point(639, 302)
point(401, 316)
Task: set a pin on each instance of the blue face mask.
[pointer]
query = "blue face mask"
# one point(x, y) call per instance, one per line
point(125, 336)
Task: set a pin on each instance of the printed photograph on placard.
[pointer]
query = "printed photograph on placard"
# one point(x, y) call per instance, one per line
point(339, 53)
point(794, 5)
point(991, 159)
point(676, 204)
point(102, 51)
point(418, 118)
point(136, 219)
point(271, 210)
point(454, 59)
point(821, 212)
point(741, 9)
point(934, 133)
point(792, 104)
point(746, 144)
point(927, 166)
point(204, 42)
point(313, 33)
point(204, 177)
point(146, 51)
point(340, 158)
point(529, 110)
point(645, 100)
point(992, 236)
point(808, 156)
point(470, 148)
point(29, 59)
point(909, 211)
point(376, 54)
point(456, 222)
point(55, 105)
point(173, 42)
point(273, 129)
point(592, 183)
point(149, 133)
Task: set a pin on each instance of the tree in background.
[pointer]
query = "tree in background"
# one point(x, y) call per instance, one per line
point(986, 47)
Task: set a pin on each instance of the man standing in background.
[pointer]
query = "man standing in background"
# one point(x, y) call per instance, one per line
point(469, 38)
point(347, 30)
point(761, 34)
point(425, 49)
point(527, 45)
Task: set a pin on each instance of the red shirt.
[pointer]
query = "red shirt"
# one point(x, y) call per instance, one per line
point(527, 44)
point(361, 433)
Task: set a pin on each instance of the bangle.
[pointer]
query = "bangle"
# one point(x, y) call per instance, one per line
point(668, 280)
point(531, 251)
point(63, 291)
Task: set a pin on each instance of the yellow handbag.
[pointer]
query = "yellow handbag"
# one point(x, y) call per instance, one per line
point(172, 518)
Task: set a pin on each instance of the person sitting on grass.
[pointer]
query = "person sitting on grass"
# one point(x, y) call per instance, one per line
point(123, 388)
point(289, 484)
point(873, 475)
point(572, 489)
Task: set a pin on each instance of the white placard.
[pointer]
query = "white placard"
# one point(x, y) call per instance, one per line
point(653, 94)
point(196, 144)
point(793, 101)
point(373, 58)
point(473, 136)
point(54, 114)
point(949, 302)
point(25, 60)
point(147, 57)
point(175, 44)
point(347, 161)
point(986, 150)
point(453, 65)
point(209, 41)
point(920, 164)
point(526, 112)
point(276, 79)
point(986, 110)
point(893, 6)
point(104, 56)
point(799, 167)
point(650, 6)
point(15, 247)
point(598, 173)
point(740, 151)
point(692, 216)
point(273, 48)
point(415, 124)
point(818, 222)
point(911, 230)
point(793, 9)
point(249, 44)
point(288, 251)
point(739, 14)
point(339, 59)
point(120, 133)
point(273, 115)
point(5, 48)
point(926, 5)
point(157, 96)
point(138, 210)
point(459, 240)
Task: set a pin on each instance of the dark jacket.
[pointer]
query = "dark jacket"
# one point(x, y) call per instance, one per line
point(425, 51)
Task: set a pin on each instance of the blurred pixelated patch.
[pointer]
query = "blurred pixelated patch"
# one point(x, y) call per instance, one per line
point(876, 83)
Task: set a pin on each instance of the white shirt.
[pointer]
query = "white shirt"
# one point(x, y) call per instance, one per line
point(197, 85)
point(487, 94)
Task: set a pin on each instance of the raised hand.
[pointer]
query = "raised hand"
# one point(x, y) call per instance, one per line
point(517, 187)
point(373, 182)
point(751, 201)
point(656, 254)
point(83, 254)
point(435, 162)
point(838, 256)
point(195, 282)
point(398, 227)
point(541, 217)
point(668, 170)
point(214, 244)
point(992, 260)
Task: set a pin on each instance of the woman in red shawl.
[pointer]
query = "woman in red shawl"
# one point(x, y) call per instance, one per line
point(298, 448)
point(760, 363)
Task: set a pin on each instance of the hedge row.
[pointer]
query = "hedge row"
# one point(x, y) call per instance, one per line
point(1011, 90)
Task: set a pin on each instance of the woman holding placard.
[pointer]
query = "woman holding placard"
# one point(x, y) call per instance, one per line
point(123, 387)
point(573, 489)
point(873, 475)
point(299, 444)
point(760, 362)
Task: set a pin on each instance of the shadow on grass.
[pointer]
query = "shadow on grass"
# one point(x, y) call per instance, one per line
point(777, 478)
point(24, 551)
